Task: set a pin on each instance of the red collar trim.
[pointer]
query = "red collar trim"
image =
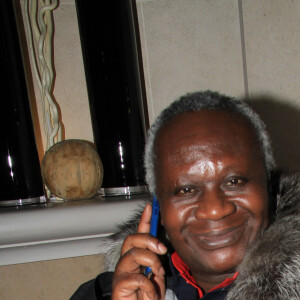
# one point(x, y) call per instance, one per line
point(186, 274)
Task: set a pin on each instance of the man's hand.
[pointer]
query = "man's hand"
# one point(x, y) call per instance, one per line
point(140, 250)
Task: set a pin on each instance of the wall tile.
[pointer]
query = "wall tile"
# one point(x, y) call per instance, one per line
point(188, 46)
point(272, 36)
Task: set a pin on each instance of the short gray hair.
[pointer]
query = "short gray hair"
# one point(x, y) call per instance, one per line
point(207, 100)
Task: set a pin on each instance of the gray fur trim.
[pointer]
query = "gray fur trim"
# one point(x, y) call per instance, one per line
point(170, 295)
point(113, 244)
point(271, 269)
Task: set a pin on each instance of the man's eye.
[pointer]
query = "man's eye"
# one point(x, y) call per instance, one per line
point(233, 182)
point(185, 190)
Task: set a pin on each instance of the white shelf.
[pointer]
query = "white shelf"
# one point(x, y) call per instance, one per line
point(61, 230)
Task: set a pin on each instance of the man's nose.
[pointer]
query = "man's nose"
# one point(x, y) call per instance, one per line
point(214, 205)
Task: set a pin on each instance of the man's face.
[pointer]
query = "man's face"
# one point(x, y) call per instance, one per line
point(211, 186)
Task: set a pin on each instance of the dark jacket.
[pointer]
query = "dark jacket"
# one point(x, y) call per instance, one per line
point(177, 287)
point(270, 269)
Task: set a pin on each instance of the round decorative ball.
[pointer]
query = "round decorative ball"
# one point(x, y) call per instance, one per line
point(72, 169)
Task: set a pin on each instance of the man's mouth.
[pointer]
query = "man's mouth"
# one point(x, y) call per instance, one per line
point(220, 238)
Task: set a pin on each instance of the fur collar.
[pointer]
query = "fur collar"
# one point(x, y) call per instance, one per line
point(271, 268)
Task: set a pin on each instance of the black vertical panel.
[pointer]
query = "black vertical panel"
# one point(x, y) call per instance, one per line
point(114, 88)
point(20, 175)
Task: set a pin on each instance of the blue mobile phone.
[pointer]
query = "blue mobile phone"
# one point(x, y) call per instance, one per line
point(153, 226)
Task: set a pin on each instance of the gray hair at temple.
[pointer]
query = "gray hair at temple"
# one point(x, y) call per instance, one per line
point(207, 100)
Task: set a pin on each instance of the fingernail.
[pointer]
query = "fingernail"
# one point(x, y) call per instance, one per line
point(161, 271)
point(162, 248)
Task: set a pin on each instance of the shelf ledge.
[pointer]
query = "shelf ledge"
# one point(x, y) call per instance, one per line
point(61, 230)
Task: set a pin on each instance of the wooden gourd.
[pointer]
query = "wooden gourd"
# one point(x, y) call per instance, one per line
point(72, 169)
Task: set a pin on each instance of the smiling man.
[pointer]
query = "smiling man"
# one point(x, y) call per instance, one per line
point(209, 162)
point(211, 183)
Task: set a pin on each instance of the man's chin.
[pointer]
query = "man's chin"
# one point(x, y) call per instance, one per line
point(220, 261)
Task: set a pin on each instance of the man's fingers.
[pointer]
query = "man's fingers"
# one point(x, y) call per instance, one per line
point(132, 261)
point(140, 250)
point(144, 241)
point(129, 284)
point(145, 221)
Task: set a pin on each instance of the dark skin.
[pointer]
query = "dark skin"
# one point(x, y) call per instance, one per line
point(212, 188)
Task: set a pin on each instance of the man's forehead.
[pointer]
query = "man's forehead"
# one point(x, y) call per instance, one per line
point(194, 149)
point(205, 121)
point(205, 117)
point(205, 133)
point(210, 149)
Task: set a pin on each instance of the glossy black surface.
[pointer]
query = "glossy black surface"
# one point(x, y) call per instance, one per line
point(114, 88)
point(20, 175)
